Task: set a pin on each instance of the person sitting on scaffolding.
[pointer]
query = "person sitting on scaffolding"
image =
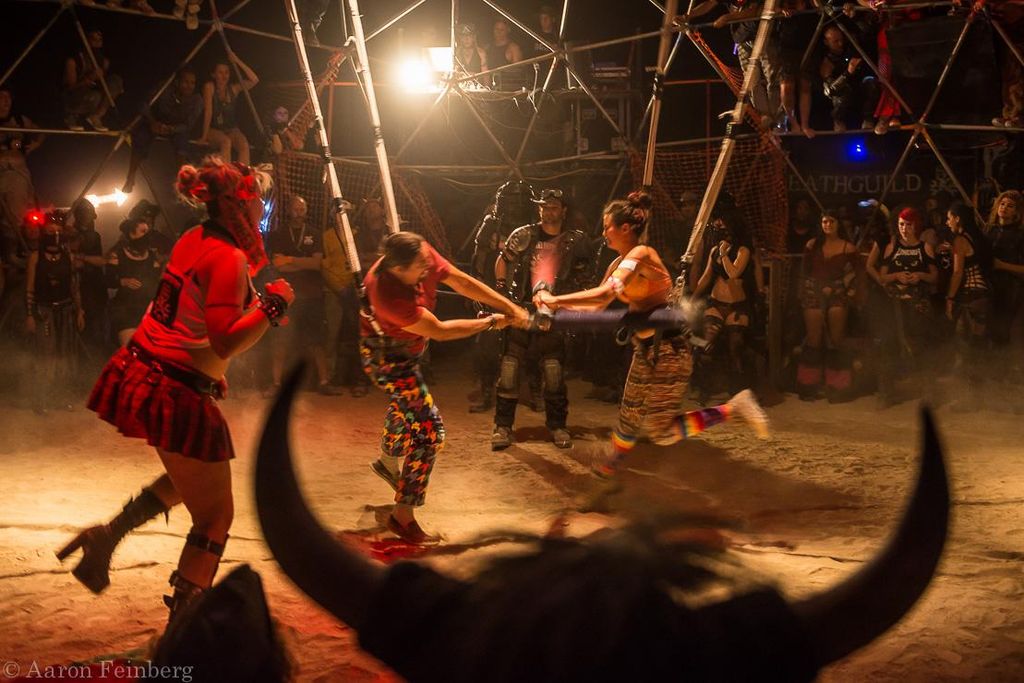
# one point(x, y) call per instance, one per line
point(846, 81)
point(173, 116)
point(83, 85)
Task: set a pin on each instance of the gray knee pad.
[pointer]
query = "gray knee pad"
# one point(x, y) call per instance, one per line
point(553, 380)
point(508, 378)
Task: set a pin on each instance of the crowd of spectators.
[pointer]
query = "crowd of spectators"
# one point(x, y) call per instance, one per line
point(866, 299)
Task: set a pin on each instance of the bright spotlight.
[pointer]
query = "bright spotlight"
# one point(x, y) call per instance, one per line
point(415, 75)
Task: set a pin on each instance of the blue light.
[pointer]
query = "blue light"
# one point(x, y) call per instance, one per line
point(856, 150)
point(268, 211)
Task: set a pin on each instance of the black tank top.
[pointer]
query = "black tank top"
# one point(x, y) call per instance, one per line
point(906, 259)
point(53, 278)
point(147, 271)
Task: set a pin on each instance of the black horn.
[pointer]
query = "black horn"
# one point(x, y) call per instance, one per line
point(864, 606)
point(341, 580)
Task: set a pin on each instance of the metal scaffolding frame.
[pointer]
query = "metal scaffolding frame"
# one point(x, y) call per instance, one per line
point(514, 166)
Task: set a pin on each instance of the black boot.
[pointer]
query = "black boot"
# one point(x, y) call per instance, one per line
point(98, 542)
point(185, 591)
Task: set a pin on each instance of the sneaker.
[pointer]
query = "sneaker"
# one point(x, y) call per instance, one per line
point(561, 437)
point(72, 123)
point(96, 123)
point(747, 407)
point(867, 124)
point(359, 390)
point(501, 438)
point(882, 127)
point(381, 470)
point(411, 532)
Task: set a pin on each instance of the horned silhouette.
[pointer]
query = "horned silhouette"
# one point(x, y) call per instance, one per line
point(601, 611)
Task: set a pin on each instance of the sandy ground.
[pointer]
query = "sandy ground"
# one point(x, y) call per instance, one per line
point(812, 505)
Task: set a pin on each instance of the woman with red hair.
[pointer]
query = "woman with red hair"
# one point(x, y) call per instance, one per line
point(909, 274)
point(164, 385)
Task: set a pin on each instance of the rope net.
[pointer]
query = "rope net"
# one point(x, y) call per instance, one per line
point(755, 178)
point(299, 173)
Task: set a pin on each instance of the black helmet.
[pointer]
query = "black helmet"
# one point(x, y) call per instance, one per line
point(513, 203)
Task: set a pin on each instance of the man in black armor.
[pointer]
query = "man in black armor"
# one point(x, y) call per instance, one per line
point(538, 256)
point(513, 207)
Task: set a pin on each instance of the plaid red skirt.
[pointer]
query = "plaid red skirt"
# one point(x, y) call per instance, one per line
point(143, 402)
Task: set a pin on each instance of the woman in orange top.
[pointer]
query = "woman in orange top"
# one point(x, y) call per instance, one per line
point(657, 381)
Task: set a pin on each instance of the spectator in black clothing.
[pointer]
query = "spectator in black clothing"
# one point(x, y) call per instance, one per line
point(89, 259)
point(1006, 234)
point(296, 251)
point(547, 22)
point(847, 82)
point(908, 273)
point(470, 58)
point(802, 226)
point(83, 91)
point(502, 52)
point(162, 242)
point(54, 315)
point(174, 115)
point(133, 269)
point(969, 295)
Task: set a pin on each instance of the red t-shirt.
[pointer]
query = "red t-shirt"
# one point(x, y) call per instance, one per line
point(397, 305)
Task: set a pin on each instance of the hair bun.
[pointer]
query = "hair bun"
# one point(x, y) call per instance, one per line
point(191, 186)
point(641, 199)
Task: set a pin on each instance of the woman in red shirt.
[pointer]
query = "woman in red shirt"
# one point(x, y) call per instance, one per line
point(164, 384)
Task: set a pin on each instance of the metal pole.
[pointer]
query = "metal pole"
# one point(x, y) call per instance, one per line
point(945, 165)
point(650, 102)
point(513, 165)
point(393, 20)
point(949, 64)
point(342, 227)
point(28, 48)
point(363, 70)
point(899, 166)
point(717, 178)
point(659, 77)
point(1006, 39)
point(871, 65)
point(424, 118)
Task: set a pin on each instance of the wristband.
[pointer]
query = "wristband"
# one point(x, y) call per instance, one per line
point(491, 323)
point(273, 306)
